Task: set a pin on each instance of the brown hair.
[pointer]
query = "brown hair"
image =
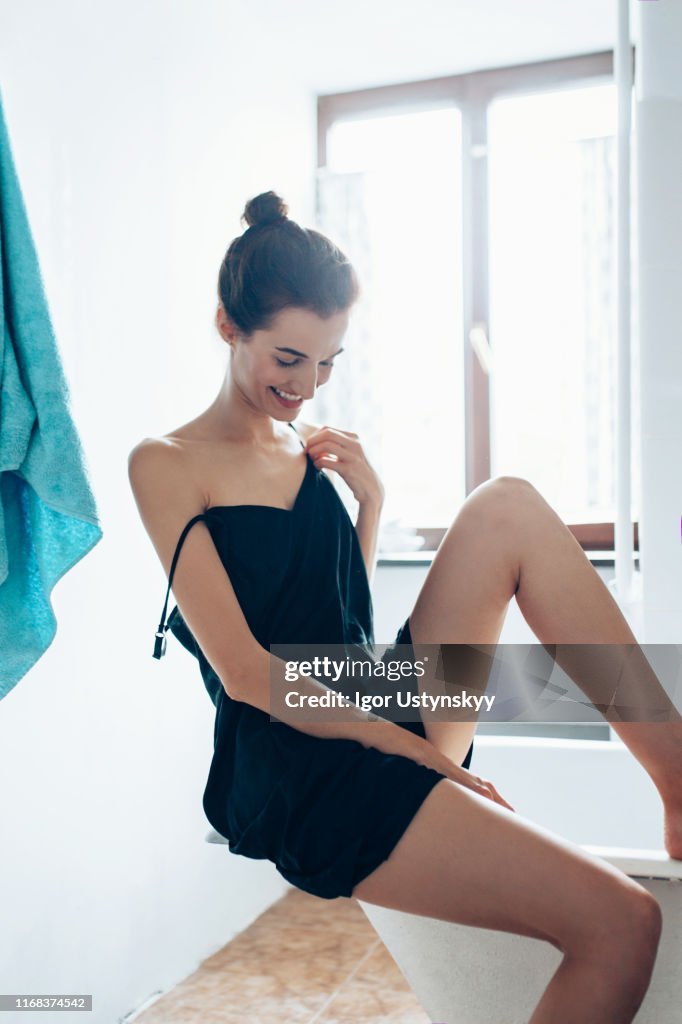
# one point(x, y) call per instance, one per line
point(276, 264)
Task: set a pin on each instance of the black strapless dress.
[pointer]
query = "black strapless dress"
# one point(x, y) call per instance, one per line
point(326, 812)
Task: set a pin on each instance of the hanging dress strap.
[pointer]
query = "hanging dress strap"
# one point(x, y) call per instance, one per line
point(160, 636)
point(297, 435)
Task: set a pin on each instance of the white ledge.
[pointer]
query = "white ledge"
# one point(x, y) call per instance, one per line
point(639, 863)
point(394, 558)
point(550, 742)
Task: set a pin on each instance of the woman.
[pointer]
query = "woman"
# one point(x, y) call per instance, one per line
point(353, 805)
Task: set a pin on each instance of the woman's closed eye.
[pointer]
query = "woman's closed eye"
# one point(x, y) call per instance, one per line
point(282, 362)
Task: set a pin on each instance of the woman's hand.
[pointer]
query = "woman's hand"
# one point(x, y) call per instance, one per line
point(442, 763)
point(340, 450)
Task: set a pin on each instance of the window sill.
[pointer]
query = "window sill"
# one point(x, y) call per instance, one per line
point(602, 559)
point(549, 743)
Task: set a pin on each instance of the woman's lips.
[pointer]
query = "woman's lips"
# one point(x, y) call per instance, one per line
point(287, 403)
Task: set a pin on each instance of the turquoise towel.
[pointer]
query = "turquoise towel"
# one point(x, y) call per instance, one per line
point(48, 517)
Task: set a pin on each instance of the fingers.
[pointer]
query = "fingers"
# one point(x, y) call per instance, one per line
point(332, 439)
point(488, 789)
point(481, 786)
point(473, 782)
point(497, 798)
point(327, 445)
point(326, 431)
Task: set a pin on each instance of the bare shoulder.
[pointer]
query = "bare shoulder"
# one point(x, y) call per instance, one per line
point(145, 449)
point(306, 429)
point(164, 491)
point(156, 463)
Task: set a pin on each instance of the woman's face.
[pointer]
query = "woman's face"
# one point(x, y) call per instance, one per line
point(294, 357)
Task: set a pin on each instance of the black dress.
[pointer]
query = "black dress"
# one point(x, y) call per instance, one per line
point(326, 812)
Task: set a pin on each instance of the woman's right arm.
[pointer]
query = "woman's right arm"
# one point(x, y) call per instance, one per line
point(167, 499)
point(349, 722)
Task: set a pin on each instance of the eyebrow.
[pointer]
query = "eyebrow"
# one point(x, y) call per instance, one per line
point(295, 352)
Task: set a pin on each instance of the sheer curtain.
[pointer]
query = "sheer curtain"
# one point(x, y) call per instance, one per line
point(347, 401)
point(553, 331)
point(596, 159)
point(598, 226)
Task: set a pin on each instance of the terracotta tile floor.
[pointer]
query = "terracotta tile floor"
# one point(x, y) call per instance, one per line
point(304, 961)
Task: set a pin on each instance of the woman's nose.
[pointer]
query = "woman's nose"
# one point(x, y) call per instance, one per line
point(307, 383)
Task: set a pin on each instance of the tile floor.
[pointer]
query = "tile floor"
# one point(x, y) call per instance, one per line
point(304, 961)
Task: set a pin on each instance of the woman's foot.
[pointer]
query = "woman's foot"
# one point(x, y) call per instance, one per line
point(668, 782)
point(672, 828)
point(658, 748)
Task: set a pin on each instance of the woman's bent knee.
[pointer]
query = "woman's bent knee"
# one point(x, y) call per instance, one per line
point(630, 927)
point(628, 953)
point(647, 919)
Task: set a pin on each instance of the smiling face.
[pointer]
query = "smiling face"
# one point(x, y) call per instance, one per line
point(295, 357)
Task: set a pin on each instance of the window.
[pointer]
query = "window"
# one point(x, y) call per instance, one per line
point(552, 222)
point(478, 210)
point(405, 169)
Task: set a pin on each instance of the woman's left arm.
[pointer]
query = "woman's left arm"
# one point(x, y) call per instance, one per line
point(367, 529)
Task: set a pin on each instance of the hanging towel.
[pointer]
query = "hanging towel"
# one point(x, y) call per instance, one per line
point(48, 517)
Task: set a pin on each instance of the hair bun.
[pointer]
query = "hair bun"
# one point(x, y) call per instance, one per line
point(266, 208)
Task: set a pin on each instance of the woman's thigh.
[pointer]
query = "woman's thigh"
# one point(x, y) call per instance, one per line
point(465, 596)
point(474, 573)
point(468, 860)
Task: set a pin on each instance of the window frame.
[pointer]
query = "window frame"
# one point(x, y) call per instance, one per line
point(472, 92)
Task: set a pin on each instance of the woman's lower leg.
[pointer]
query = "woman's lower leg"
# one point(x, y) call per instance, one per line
point(593, 991)
point(570, 610)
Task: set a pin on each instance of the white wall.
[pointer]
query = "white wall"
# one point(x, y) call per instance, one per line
point(659, 156)
point(139, 132)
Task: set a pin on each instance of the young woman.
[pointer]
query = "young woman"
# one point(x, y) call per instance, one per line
point(359, 806)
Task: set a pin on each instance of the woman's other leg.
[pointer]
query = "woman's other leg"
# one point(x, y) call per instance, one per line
point(507, 540)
